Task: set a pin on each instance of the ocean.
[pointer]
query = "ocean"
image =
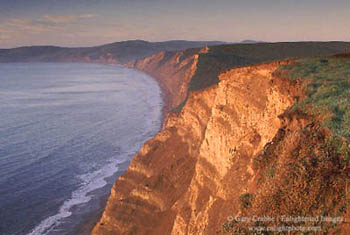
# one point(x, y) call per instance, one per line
point(66, 132)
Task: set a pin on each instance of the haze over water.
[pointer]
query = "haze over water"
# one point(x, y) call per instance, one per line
point(65, 130)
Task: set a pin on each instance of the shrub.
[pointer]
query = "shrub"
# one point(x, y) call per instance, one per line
point(246, 200)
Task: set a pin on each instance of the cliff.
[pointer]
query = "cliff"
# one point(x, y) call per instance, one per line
point(244, 144)
point(173, 71)
point(187, 179)
point(262, 140)
point(180, 72)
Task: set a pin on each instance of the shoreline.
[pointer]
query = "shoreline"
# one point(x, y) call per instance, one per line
point(165, 96)
point(87, 224)
point(92, 214)
point(90, 220)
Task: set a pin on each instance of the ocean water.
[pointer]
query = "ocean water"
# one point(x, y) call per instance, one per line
point(66, 133)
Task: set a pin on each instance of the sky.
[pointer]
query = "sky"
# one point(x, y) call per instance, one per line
point(95, 22)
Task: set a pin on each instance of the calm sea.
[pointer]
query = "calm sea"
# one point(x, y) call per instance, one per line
point(66, 133)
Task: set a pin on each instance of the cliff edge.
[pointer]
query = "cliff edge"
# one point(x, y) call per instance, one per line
point(262, 140)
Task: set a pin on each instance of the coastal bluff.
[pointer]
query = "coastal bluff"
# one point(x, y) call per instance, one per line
point(188, 178)
point(225, 149)
point(248, 130)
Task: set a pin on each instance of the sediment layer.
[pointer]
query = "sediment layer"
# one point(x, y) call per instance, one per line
point(189, 177)
point(235, 148)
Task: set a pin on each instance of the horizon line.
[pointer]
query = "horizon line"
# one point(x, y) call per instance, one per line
point(172, 40)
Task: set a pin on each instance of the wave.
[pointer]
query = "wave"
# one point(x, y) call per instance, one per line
point(120, 113)
point(90, 182)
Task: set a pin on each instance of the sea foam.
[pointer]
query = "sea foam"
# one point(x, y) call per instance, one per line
point(90, 182)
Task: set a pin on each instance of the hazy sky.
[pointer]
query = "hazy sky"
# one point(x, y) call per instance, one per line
point(95, 22)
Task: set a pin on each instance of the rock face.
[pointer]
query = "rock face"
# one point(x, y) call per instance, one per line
point(240, 146)
point(231, 150)
point(188, 179)
point(173, 71)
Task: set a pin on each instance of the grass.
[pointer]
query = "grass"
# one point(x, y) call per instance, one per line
point(224, 57)
point(309, 177)
point(327, 90)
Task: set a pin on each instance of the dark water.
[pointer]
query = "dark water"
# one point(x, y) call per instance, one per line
point(65, 130)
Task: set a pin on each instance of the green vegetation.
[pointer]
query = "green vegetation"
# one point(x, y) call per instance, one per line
point(327, 91)
point(306, 167)
point(224, 57)
point(211, 64)
point(313, 170)
point(270, 172)
point(246, 200)
point(309, 180)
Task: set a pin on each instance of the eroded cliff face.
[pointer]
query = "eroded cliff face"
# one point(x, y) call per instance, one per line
point(188, 179)
point(173, 71)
